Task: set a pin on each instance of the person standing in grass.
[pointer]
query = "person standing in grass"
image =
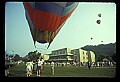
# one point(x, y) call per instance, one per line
point(29, 68)
point(35, 65)
point(39, 67)
point(89, 65)
point(52, 68)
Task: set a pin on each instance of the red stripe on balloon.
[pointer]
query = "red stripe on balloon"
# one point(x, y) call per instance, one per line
point(46, 21)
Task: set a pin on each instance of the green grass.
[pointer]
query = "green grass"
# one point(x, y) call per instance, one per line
point(17, 71)
point(65, 71)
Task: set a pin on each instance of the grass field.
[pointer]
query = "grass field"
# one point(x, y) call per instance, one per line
point(64, 71)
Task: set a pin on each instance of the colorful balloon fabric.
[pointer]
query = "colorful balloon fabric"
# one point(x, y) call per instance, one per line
point(45, 19)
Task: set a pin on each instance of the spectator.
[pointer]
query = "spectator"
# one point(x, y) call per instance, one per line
point(52, 67)
point(39, 67)
point(29, 67)
point(89, 65)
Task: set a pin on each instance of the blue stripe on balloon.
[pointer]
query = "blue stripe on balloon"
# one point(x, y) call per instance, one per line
point(69, 8)
point(48, 7)
point(32, 4)
point(54, 8)
point(69, 3)
point(29, 19)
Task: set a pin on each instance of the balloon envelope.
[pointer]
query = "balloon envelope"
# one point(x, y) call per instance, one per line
point(45, 19)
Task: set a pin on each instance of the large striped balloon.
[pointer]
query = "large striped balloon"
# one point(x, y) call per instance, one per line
point(45, 19)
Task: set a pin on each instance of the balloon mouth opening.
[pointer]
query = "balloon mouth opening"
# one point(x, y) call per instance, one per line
point(42, 41)
point(40, 47)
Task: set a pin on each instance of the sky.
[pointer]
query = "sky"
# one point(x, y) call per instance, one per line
point(77, 32)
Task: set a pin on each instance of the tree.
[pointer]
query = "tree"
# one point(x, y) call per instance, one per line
point(17, 57)
point(33, 55)
point(114, 56)
point(100, 58)
point(24, 59)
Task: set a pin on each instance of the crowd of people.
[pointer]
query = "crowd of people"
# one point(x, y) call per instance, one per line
point(37, 66)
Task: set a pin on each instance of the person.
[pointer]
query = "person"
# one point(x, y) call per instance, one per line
point(6, 71)
point(89, 65)
point(52, 67)
point(39, 67)
point(35, 65)
point(29, 68)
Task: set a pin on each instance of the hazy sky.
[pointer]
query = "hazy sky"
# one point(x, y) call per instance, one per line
point(76, 32)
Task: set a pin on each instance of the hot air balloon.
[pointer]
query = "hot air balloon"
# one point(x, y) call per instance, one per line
point(98, 21)
point(12, 50)
point(45, 19)
point(99, 14)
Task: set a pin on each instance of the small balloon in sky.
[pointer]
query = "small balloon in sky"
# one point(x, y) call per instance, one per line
point(12, 50)
point(98, 21)
point(99, 15)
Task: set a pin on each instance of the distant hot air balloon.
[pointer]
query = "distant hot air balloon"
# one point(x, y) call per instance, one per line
point(99, 15)
point(91, 38)
point(12, 50)
point(98, 21)
point(45, 19)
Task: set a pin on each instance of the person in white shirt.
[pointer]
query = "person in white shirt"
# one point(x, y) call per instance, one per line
point(39, 67)
point(52, 67)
